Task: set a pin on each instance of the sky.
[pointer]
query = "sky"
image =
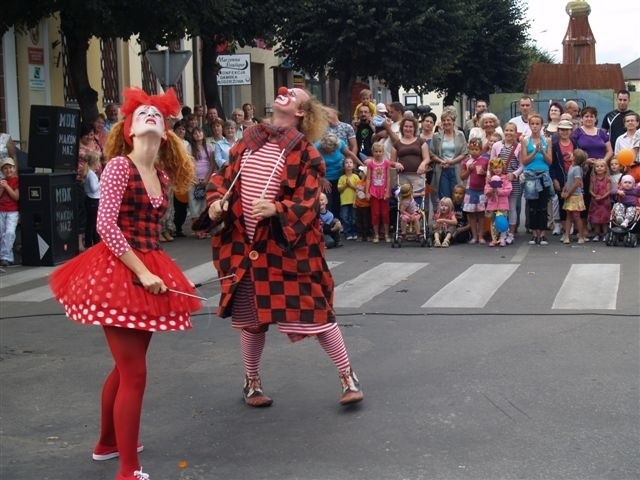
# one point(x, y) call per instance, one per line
point(614, 23)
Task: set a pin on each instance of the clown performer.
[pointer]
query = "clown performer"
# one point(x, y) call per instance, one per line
point(267, 199)
point(122, 283)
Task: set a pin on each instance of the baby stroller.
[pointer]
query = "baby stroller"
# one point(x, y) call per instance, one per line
point(628, 236)
point(421, 237)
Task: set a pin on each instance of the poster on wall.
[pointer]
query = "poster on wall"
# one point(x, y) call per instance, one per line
point(37, 71)
point(234, 69)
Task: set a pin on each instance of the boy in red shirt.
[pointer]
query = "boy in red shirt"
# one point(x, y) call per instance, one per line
point(9, 195)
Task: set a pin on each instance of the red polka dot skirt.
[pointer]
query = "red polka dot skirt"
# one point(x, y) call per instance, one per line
point(96, 288)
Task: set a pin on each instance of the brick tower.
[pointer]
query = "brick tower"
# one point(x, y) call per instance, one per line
point(579, 44)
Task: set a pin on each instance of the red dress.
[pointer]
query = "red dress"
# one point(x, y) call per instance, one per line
point(600, 210)
point(97, 288)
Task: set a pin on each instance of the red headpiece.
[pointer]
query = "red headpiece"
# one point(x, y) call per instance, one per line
point(166, 103)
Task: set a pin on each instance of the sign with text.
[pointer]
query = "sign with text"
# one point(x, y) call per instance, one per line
point(53, 137)
point(234, 69)
point(37, 75)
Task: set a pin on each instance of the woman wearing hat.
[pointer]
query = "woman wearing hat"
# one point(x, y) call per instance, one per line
point(122, 282)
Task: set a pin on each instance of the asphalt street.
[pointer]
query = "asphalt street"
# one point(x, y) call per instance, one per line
point(476, 363)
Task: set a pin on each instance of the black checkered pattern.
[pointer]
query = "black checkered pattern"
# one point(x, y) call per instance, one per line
point(290, 276)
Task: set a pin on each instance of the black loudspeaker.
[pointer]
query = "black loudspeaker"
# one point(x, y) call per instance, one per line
point(49, 218)
point(53, 137)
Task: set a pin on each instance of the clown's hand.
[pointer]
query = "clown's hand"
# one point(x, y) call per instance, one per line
point(217, 208)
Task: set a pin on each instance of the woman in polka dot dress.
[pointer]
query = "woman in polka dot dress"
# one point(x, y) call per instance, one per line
point(122, 283)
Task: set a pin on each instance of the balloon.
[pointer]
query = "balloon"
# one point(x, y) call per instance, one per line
point(501, 223)
point(625, 157)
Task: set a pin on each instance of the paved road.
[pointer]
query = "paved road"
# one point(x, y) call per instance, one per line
point(477, 363)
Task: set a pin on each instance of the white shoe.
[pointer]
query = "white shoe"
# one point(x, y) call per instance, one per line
point(557, 229)
point(509, 238)
point(625, 224)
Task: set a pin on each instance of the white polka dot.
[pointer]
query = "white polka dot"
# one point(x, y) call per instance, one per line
point(100, 314)
point(131, 325)
point(108, 321)
point(121, 318)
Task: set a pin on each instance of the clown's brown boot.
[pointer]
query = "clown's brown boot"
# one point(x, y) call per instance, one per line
point(253, 394)
point(351, 392)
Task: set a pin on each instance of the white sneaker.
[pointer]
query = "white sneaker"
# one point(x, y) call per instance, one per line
point(625, 224)
point(557, 229)
point(509, 238)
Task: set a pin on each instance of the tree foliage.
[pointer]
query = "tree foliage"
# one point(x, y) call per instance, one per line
point(154, 22)
point(493, 51)
point(453, 46)
point(391, 40)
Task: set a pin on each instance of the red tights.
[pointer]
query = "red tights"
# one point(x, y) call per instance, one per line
point(122, 394)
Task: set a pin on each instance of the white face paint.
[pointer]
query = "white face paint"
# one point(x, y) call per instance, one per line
point(291, 100)
point(286, 106)
point(147, 119)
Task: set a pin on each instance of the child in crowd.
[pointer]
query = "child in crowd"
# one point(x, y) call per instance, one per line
point(509, 151)
point(462, 232)
point(330, 225)
point(92, 198)
point(365, 99)
point(378, 191)
point(497, 190)
point(408, 210)
point(491, 141)
point(626, 205)
point(347, 187)
point(600, 205)
point(9, 196)
point(363, 208)
point(475, 170)
point(615, 170)
point(380, 117)
point(445, 223)
point(572, 194)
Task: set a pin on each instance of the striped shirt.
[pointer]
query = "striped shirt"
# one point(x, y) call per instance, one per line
point(258, 167)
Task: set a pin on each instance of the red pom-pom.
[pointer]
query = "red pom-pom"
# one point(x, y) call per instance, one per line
point(283, 91)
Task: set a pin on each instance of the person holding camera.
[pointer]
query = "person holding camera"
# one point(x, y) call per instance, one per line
point(364, 132)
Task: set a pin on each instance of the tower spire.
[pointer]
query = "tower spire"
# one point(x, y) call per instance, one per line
point(579, 44)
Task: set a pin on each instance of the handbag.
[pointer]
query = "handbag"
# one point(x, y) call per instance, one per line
point(199, 192)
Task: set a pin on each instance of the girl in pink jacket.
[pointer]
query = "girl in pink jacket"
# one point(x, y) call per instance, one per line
point(497, 191)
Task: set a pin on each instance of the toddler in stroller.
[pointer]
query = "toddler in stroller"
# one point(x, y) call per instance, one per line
point(411, 221)
point(625, 213)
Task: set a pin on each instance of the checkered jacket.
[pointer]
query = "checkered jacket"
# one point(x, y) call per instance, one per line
point(290, 275)
point(138, 220)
